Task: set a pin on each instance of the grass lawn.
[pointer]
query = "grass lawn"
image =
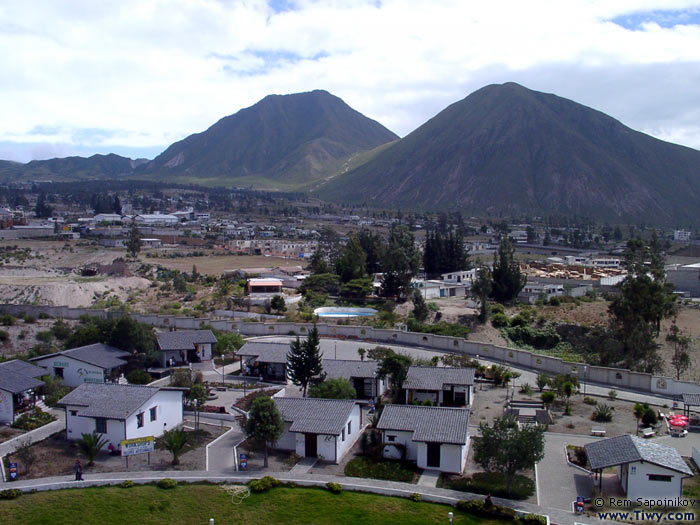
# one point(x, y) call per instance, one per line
point(489, 483)
point(196, 504)
point(394, 470)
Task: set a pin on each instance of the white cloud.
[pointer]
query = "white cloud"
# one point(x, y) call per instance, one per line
point(142, 74)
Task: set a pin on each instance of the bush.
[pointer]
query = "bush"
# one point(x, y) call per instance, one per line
point(590, 401)
point(264, 484)
point(500, 320)
point(533, 519)
point(32, 420)
point(335, 488)
point(612, 394)
point(497, 308)
point(127, 484)
point(603, 413)
point(415, 497)
point(29, 319)
point(138, 377)
point(167, 483)
point(270, 482)
point(255, 485)
point(10, 494)
point(477, 508)
point(390, 469)
point(649, 418)
point(43, 315)
point(519, 320)
point(581, 456)
point(4, 336)
point(548, 397)
point(7, 320)
point(492, 483)
point(554, 301)
point(526, 389)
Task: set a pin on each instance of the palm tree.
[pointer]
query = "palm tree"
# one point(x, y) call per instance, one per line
point(639, 410)
point(90, 445)
point(174, 441)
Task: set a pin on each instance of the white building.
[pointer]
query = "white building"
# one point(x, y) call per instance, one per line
point(109, 218)
point(156, 219)
point(464, 276)
point(182, 347)
point(18, 381)
point(96, 363)
point(121, 412)
point(263, 359)
point(435, 438)
point(645, 469)
point(442, 386)
point(681, 235)
point(361, 374)
point(323, 428)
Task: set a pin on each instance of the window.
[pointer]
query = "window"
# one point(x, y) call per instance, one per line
point(349, 427)
point(343, 434)
point(391, 438)
point(139, 420)
point(153, 413)
point(659, 477)
point(101, 425)
point(73, 413)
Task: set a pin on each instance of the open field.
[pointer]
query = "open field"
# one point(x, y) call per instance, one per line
point(196, 504)
point(217, 264)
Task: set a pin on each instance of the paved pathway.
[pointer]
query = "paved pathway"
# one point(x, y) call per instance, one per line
point(429, 478)
point(303, 466)
point(39, 434)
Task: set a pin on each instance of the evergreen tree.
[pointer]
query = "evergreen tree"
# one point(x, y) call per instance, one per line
point(42, 209)
point(351, 264)
point(481, 289)
point(133, 242)
point(420, 309)
point(304, 360)
point(507, 280)
point(400, 263)
point(264, 424)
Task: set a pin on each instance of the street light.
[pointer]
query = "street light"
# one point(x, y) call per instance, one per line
point(585, 377)
point(450, 515)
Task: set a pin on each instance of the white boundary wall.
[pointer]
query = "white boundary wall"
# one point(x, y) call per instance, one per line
point(612, 377)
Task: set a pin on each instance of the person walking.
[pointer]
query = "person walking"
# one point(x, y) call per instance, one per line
point(78, 470)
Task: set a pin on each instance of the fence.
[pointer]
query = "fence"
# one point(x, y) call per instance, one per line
point(612, 377)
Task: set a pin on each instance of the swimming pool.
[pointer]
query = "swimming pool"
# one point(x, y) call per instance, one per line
point(344, 312)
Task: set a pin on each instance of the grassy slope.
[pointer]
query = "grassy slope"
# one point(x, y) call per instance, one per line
point(195, 504)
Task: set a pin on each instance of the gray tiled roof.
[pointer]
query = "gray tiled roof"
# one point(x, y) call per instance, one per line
point(18, 376)
point(112, 401)
point(428, 424)
point(691, 399)
point(97, 354)
point(315, 416)
point(184, 339)
point(265, 352)
point(437, 377)
point(346, 369)
point(628, 449)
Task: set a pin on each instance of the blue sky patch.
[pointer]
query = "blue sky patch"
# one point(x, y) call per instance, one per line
point(664, 18)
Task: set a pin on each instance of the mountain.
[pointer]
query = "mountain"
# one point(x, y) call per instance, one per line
point(506, 149)
point(282, 140)
point(109, 166)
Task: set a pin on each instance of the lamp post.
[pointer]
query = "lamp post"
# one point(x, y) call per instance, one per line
point(450, 516)
point(585, 377)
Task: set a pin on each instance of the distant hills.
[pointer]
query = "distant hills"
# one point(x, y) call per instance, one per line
point(506, 149)
point(503, 150)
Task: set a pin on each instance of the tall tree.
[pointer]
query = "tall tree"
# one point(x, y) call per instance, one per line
point(400, 263)
point(264, 424)
point(338, 388)
point(351, 264)
point(481, 289)
point(507, 448)
point(373, 248)
point(420, 309)
point(680, 359)
point(304, 360)
point(394, 366)
point(507, 280)
point(133, 242)
point(42, 209)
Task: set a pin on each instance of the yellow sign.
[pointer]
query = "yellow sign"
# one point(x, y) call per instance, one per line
point(140, 445)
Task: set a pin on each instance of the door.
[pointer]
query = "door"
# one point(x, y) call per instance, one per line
point(310, 449)
point(58, 372)
point(460, 399)
point(433, 455)
point(447, 397)
point(358, 384)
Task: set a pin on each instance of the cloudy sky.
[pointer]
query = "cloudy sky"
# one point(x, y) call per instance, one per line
point(131, 77)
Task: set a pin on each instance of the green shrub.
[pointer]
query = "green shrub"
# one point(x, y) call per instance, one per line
point(4, 336)
point(519, 320)
point(500, 320)
point(497, 308)
point(10, 494)
point(138, 377)
point(29, 319)
point(612, 394)
point(477, 508)
point(590, 401)
point(649, 418)
point(335, 488)
point(127, 484)
point(7, 320)
point(270, 482)
point(415, 497)
point(533, 519)
point(492, 483)
point(390, 469)
point(554, 301)
point(32, 420)
point(167, 483)
point(603, 413)
point(548, 397)
point(43, 315)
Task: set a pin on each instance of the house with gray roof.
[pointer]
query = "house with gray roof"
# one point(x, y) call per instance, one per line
point(361, 374)
point(323, 428)
point(442, 386)
point(120, 412)
point(263, 359)
point(96, 363)
point(434, 437)
point(645, 469)
point(18, 383)
point(182, 347)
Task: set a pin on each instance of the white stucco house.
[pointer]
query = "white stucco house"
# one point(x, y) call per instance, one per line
point(323, 428)
point(182, 347)
point(443, 386)
point(434, 437)
point(18, 382)
point(361, 374)
point(646, 470)
point(96, 363)
point(121, 412)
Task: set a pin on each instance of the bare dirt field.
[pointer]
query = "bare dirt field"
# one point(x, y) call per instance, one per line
point(217, 264)
point(56, 456)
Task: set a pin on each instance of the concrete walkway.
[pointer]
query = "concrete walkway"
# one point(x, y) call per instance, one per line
point(36, 435)
point(387, 488)
point(429, 478)
point(303, 466)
